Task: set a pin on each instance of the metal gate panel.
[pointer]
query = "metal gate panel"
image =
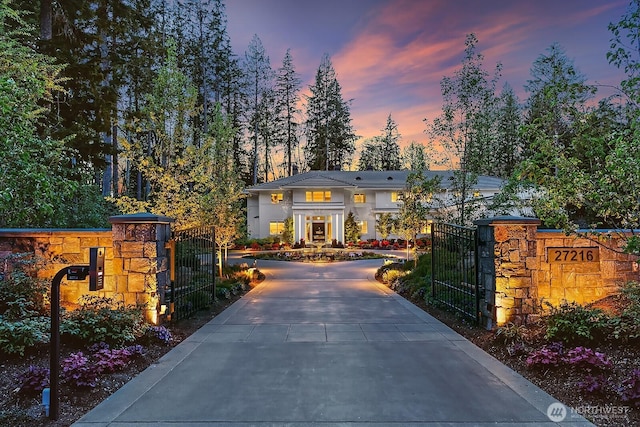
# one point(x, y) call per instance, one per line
point(454, 279)
point(194, 286)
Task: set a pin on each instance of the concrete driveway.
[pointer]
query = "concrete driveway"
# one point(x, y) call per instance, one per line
point(326, 345)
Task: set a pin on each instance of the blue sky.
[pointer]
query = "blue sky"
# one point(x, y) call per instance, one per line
point(390, 55)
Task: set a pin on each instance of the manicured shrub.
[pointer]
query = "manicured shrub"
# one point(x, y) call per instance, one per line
point(575, 324)
point(16, 337)
point(101, 319)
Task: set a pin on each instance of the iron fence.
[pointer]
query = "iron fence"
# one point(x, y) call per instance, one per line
point(194, 286)
point(454, 280)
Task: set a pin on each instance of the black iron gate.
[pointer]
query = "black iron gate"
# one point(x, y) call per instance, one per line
point(454, 258)
point(194, 286)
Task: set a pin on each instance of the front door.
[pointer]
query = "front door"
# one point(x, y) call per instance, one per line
point(318, 232)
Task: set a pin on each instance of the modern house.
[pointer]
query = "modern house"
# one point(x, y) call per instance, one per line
point(319, 202)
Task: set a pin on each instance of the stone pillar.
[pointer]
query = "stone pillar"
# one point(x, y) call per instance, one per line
point(141, 263)
point(507, 259)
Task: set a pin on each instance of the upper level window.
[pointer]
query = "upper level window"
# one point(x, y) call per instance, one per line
point(276, 197)
point(359, 198)
point(318, 196)
point(396, 196)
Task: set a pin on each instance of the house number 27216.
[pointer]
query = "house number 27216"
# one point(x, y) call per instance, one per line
point(573, 254)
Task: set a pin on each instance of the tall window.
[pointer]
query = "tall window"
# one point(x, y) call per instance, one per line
point(276, 197)
point(363, 227)
point(318, 196)
point(276, 227)
point(359, 198)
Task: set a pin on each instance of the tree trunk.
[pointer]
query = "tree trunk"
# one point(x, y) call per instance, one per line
point(45, 20)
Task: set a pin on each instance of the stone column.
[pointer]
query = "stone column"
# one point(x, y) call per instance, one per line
point(507, 260)
point(141, 263)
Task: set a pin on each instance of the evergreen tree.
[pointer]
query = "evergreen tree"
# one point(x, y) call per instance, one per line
point(506, 151)
point(287, 98)
point(370, 155)
point(259, 85)
point(330, 136)
point(351, 228)
point(390, 139)
point(415, 157)
point(382, 152)
point(558, 95)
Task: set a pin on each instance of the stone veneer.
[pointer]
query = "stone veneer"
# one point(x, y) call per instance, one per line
point(136, 263)
point(518, 278)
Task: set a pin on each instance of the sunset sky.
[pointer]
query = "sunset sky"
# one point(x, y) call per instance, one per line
point(390, 55)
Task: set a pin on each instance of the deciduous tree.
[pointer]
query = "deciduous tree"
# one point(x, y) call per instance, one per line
point(465, 129)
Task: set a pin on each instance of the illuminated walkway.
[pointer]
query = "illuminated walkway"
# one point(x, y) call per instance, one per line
point(325, 345)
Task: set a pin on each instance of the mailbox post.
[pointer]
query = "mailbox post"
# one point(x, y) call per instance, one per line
point(95, 270)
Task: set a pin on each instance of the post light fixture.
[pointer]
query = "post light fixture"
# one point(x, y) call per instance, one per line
point(95, 271)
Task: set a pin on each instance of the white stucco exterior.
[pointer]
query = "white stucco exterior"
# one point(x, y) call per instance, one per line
point(319, 202)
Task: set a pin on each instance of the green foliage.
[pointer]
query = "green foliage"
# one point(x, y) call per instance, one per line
point(17, 336)
point(351, 228)
point(187, 255)
point(415, 157)
point(414, 209)
point(626, 326)
point(467, 130)
point(41, 188)
point(385, 223)
point(21, 293)
point(408, 278)
point(103, 320)
point(22, 305)
point(287, 233)
point(382, 152)
point(573, 323)
point(330, 135)
point(581, 158)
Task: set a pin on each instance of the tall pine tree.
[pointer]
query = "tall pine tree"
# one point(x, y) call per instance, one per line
point(287, 98)
point(330, 135)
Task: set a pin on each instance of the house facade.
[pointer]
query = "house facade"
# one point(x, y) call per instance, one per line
point(320, 201)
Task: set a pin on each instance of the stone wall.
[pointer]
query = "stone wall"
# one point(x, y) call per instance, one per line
point(136, 263)
point(522, 268)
